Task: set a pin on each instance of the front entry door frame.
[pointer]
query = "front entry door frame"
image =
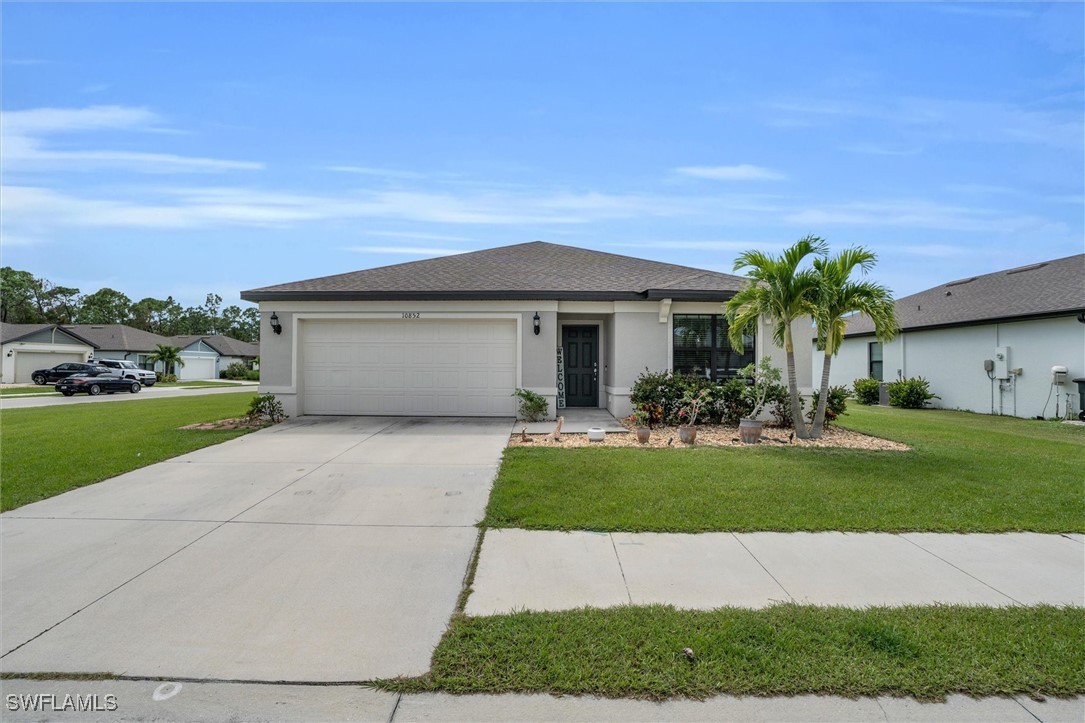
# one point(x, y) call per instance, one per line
point(600, 354)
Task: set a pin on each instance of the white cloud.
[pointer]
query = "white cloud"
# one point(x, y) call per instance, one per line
point(935, 251)
point(405, 250)
point(741, 172)
point(418, 235)
point(370, 171)
point(25, 149)
point(918, 213)
point(700, 245)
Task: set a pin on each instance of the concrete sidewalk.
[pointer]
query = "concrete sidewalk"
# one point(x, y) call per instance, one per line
point(143, 700)
point(520, 569)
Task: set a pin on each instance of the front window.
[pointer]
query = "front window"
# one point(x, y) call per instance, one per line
point(874, 356)
point(701, 347)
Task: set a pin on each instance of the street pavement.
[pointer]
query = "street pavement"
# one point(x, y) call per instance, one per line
point(155, 392)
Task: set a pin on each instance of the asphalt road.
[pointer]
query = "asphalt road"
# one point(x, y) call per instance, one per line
point(155, 392)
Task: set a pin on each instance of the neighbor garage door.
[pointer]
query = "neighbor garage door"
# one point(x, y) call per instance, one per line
point(197, 368)
point(28, 362)
point(422, 367)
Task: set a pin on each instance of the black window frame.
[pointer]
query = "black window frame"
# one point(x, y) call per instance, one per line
point(871, 361)
point(718, 345)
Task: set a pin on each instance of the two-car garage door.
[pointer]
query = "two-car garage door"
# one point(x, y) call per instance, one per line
point(421, 367)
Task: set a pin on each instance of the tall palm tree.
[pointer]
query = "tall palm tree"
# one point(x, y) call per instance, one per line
point(170, 356)
point(837, 298)
point(781, 292)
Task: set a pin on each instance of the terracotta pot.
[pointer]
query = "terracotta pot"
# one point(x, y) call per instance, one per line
point(644, 434)
point(687, 434)
point(749, 430)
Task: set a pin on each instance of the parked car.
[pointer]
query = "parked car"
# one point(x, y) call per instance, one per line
point(62, 371)
point(95, 382)
point(129, 370)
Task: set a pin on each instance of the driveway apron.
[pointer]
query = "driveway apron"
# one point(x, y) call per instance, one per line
point(322, 549)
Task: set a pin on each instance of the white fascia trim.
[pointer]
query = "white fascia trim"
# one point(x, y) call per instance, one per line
point(388, 315)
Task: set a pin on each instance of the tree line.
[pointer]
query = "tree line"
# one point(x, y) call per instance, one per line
point(26, 299)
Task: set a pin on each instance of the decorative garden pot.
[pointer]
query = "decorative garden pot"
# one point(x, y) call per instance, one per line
point(749, 430)
point(596, 434)
point(687, 434)
point(644, 434)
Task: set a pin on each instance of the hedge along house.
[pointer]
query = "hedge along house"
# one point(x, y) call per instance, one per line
point(1020, 323)
point(25, 348)
point(457, 335)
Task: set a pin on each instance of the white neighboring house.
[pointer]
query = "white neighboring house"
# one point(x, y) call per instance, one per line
point(1020, 322)
point(206, 356)
point(25, 348)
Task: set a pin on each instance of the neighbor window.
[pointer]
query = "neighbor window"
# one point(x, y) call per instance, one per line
point(701, 347)
point(874, 355)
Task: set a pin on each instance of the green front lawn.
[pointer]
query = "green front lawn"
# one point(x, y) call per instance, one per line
point(50, 450)
point(966, 473)
point(926, 652)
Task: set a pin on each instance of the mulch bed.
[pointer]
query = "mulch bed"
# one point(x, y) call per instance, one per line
point(240, 423)
point(715, 435)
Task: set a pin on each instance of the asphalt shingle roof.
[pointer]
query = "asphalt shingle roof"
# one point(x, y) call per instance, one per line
point(14, 332)
point(536, 270)
point(117, 337)
point(1049, 287)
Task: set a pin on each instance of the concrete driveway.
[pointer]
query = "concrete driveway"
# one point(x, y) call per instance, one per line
point(323, 549)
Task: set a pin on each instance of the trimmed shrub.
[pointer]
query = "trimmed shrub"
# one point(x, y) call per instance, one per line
point(779, 405)
point(837, 404)
point(911, 393)
point(867, 391)
point(533, 407)
point(266, 407)
point(731, 401)
point(666, 390)
point(236, 370)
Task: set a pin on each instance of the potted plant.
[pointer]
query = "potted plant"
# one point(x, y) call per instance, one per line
point(760, 378)
point(641, 419)
point(689, 408)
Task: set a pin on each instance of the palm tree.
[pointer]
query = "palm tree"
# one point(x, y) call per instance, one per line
point(780, 292)
point(170, 356)
point(837, 298)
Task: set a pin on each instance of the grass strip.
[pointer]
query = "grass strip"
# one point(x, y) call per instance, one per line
point(45, 451)
point(25, 391)
point(633, 651)
point(966, 473)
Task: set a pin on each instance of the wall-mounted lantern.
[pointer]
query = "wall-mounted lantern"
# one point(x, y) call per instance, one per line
point(535, 319)
point(275, 325)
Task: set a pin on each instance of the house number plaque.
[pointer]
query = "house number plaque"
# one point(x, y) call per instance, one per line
point(412, 315)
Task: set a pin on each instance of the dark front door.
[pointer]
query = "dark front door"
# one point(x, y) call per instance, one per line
point(581, 350)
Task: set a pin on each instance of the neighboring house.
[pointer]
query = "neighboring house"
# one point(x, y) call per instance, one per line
point(118, 341)
point(1024, 321)
point(457, 335)
point(25, 348)
point(206, 356)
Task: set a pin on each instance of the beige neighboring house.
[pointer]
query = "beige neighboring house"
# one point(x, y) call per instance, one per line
point(456, 335)
point(1019, 322)
point(25, 348)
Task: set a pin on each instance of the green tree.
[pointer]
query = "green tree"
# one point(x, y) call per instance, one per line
point(105, 306)
point(170, 356)
point(778, 290)
point(17, 297)
point(55, 304)
point(838, 296)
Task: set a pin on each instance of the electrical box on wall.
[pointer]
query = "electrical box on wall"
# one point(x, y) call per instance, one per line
point(1002, 362)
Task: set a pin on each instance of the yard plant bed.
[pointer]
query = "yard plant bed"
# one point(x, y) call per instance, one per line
point(964, 473)
point(50, 450)
point(925, 652)
point(713, 435)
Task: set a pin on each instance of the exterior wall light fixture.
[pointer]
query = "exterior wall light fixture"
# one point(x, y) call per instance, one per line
point(275, 325)
point(535, 319)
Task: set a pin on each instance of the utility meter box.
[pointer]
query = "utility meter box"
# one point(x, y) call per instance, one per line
point(1002, 362)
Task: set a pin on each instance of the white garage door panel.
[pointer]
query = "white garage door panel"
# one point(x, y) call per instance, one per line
point(28, 362)
point(196, 368)
point(409, 367)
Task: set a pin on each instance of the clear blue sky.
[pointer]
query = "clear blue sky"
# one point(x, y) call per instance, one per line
point(181, 149)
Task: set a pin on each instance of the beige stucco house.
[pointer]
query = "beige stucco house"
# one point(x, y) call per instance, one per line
point(457, 335)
